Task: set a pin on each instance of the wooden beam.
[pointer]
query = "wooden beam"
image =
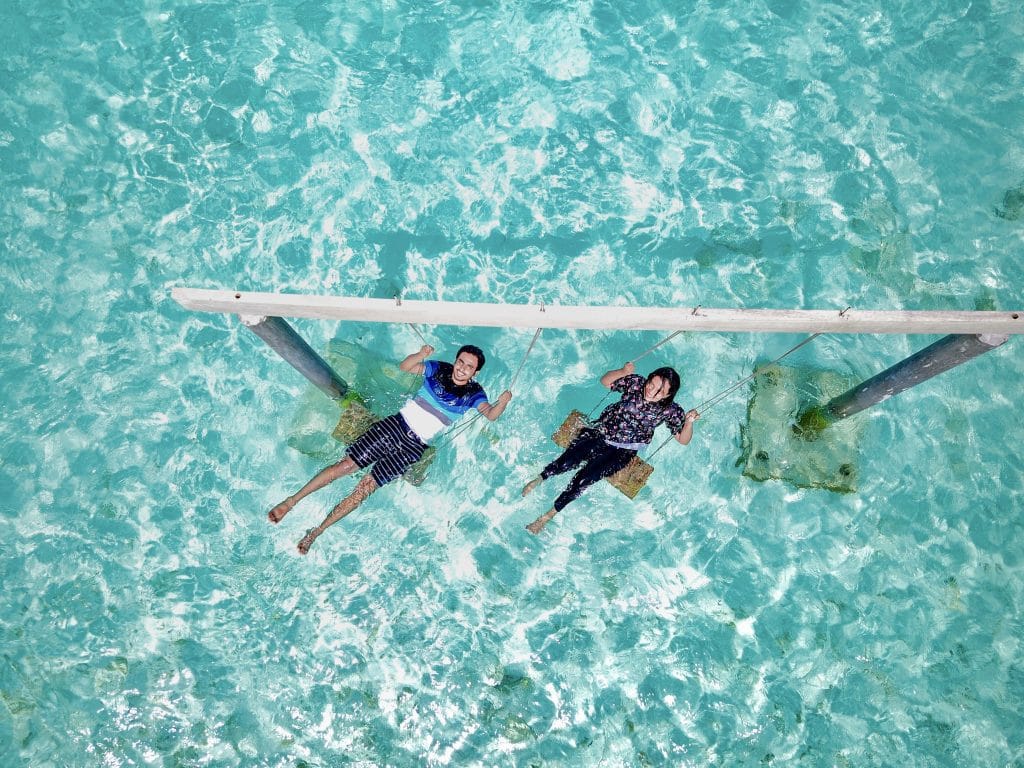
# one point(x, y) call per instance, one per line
point(598, 318)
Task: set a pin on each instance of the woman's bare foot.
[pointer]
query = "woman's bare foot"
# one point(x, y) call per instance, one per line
point(307, 541)
point(276, 515)
point(532, 485)
point(538, 525)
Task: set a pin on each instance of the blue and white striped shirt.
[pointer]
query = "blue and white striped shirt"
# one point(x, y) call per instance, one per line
point(440, 402)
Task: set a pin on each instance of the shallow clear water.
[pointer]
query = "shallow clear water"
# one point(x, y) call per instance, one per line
point(759, 155)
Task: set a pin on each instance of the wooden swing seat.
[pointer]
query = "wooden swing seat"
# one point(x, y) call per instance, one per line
point(356, 418)
point(630, 479)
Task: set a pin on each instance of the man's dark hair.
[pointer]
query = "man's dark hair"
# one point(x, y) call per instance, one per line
point(672, 377)
point(475, 352)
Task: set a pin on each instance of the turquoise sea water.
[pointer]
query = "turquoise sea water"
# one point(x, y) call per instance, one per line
point(781, 154)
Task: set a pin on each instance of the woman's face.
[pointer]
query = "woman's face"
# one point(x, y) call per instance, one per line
point(656, 389)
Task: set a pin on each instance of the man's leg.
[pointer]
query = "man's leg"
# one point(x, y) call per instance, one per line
point(326, 476)
point(360, 493)
point(369, 447)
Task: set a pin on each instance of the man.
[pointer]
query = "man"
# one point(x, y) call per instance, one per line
point(395, 443)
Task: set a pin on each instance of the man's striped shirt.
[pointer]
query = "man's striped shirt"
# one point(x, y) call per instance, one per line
point(440, 402)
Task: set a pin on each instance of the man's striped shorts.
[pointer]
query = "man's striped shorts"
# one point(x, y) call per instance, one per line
point(390, 445)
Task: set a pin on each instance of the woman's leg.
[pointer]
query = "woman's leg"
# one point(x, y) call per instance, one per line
point(605, 464)
point(587, 443)
point(538, 525)
point(601, 466)
point(579, 450)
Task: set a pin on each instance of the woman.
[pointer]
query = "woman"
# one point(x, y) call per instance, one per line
point(622, 429)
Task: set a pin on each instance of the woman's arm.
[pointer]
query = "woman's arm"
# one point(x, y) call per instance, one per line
point(612, 376)
point(684, 435)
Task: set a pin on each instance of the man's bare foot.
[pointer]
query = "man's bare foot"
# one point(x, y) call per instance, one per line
point(276, 515)
point(307, 541)
point(532, 485)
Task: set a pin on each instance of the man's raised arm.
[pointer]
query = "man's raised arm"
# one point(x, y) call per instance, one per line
point(492, 412)
point(414, 362)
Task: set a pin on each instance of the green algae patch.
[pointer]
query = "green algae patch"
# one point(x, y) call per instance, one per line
point(786, 436)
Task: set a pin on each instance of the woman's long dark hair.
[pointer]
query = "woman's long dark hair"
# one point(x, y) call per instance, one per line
point(672, 377)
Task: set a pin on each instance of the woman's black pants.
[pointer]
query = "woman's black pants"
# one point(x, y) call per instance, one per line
point(599, 460)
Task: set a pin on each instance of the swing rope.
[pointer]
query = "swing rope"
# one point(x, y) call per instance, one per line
point(529, 349)
point(417, 330)
point(663, 341)
point(414, 385)
point(714, 400)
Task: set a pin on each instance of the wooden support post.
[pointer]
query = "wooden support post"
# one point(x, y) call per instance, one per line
point(948, 352)
point(286, 341)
